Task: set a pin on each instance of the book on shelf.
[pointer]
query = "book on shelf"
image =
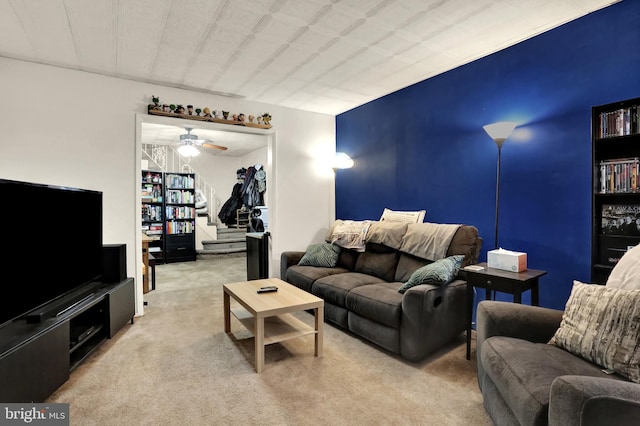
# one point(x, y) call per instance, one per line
point(620, 122)
point(180, 181)
point(619, 175)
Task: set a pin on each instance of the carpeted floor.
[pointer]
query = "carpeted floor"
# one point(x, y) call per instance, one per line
point(176, 366)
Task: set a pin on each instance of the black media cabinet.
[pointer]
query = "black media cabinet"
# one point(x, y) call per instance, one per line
point(37, 358)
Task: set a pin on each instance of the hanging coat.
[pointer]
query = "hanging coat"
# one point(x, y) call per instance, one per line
point(228, 210)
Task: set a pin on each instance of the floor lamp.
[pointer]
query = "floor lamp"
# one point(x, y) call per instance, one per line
point(499, 132)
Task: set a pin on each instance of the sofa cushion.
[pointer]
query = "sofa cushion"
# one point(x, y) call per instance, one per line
point(381, 265)
point(523, 372)
point(440, 272)
point(324, 255)
point(334, 288)
point(380, 302)
point(304, 276)
point(407, 265)
point(602, 325)
point(348, 259)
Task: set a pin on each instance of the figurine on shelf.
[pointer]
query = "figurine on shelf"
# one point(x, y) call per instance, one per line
point(190, 109)
point(241, 117)
point(266, 117)
point(225, 115)
point(179, 109)
point(214, 113)
point(207, 112)
point(198, 112)
point(259, 119)
point(156, 102)
point(166, 108)
point(234, 117)
point(172, 108)
point(251, 118)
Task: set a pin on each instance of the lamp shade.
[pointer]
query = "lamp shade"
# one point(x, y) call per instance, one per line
point(500, 131)
point(342, 161)
point(188, 150)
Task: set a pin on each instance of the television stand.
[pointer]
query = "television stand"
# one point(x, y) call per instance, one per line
point(37, 358)
point(58, 307)
point(84, 299)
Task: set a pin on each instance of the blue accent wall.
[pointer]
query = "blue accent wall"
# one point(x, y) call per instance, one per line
point(423, 147)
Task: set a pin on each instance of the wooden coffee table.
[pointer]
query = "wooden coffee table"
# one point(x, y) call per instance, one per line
point(268, 315)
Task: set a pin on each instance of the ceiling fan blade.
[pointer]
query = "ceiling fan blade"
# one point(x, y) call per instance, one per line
point(213, 146)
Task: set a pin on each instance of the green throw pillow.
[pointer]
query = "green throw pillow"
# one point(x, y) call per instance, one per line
point(440, 272)
point(324, 255)
point(600, 324)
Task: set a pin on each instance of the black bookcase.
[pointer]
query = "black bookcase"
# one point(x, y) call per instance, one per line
point(180, 217)
point(153, 211)
point(616, 184)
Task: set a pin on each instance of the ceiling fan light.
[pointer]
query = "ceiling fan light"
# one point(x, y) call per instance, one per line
point(188, 151)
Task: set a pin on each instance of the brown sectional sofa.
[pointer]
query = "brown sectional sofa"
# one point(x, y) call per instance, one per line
point(361, 291)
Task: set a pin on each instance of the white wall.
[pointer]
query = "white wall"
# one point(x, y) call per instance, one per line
point(78, 129)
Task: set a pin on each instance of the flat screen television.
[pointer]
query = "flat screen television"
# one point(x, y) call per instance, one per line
point(50, 244)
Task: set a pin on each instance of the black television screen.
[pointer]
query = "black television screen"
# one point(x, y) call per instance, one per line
point(51, 244)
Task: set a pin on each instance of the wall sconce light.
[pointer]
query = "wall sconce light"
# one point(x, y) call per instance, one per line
point(342, 161)
point(499, 132)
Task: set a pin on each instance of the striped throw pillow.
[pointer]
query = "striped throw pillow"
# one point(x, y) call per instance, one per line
point(602, 325)
point(323, 255)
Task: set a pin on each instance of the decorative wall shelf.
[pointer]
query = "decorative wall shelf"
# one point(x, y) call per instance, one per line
point(152, 110)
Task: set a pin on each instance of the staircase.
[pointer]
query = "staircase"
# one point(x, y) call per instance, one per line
point(230, 240)
point(210, 237)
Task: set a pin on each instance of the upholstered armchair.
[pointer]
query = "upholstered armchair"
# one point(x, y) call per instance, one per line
point(580, 366)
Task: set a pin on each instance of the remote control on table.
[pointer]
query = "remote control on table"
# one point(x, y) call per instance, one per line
point(267, 289)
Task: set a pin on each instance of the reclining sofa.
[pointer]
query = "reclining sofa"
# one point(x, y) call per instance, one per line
point(580, 366)
point(362, 291)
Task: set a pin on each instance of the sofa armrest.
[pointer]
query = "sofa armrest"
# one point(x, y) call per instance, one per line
point(288, 259)
point(507, 319)
point(432, 316)
point(582, 400)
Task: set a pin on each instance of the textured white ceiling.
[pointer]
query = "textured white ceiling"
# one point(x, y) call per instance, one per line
point(326, 56)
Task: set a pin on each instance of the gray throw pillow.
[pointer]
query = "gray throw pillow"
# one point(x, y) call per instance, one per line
point(440, 272)
point(323, 255)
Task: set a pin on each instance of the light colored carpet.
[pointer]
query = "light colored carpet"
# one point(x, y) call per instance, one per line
point(177, 366)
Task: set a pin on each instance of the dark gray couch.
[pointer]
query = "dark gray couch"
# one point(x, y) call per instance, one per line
point(361, 292)
point(525, 381)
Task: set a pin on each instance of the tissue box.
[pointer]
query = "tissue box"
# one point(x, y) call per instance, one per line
point(507, 260)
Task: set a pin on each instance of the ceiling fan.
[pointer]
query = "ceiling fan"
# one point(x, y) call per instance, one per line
point(189, 144)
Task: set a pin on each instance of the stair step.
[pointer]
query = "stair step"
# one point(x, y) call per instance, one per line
point(222, 251)
point(224, 234)
point(222, 244)
point(242, 239)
